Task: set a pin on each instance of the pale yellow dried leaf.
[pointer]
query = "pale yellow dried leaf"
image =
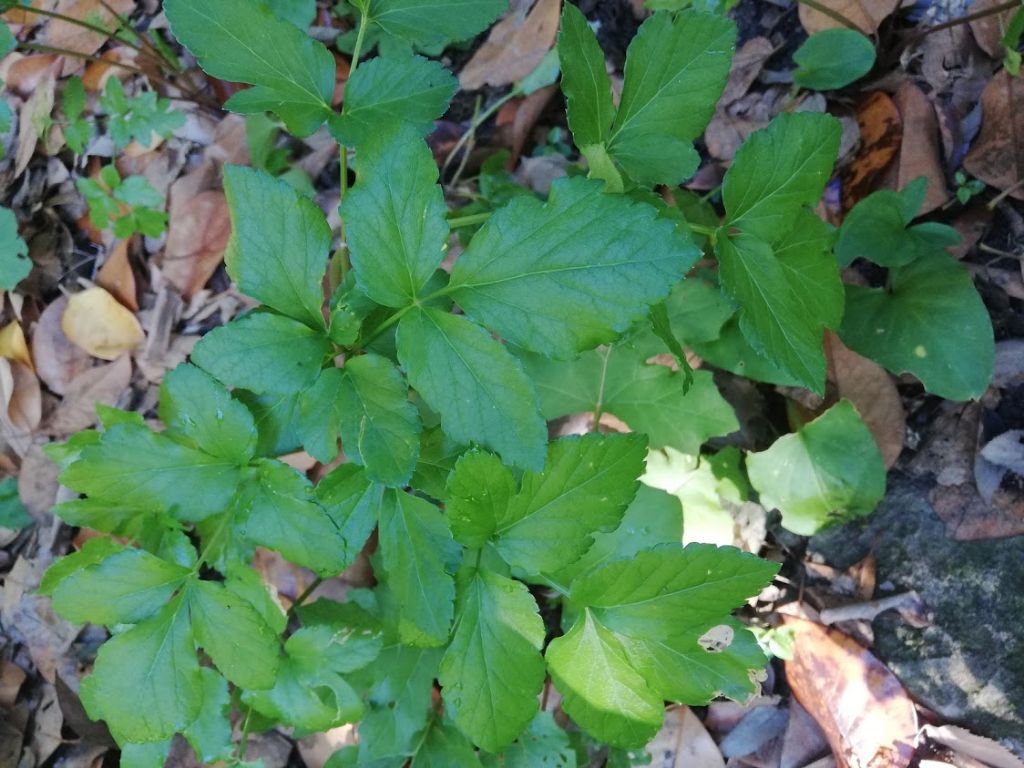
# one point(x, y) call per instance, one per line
point(13, 345)
point(97, 323)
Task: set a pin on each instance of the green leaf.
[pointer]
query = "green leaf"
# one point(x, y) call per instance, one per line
point(7, 40)
point(778, 171)
point(830, 470)
point(380, 427)
point(907, 327)
point(393, 91)
point(573, 273)
point(772, 311)
point(419, 557)
point(279, 512)
point(833, 58)
point(480, 490)
point(649, 398)
point(280, 244)
point(150, 755)
point(77, 130)
point(13, 514)
point(492, 671)
point(585, 486)
point(585, 82)
point(123, 588)
point(471, 380)
point(94, 550)
point(301, 13)
point(810, 268)
point(676, 69)
point(263, 352)
point(139, 117)
point(209, 735)
point(543, 744)
point(14, 263)
point(437, 24)
point(243, 41)
point(200, 412)
point(353, 503)
point(136, 467)
point(600, 689)
point(234, 635)
point(134, 672)
point(395, 219)
point(444, 747)
point(319, 415)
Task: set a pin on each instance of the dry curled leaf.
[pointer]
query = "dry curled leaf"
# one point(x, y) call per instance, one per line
point(197, 237)
point(863, 709)
point(97, 323)
point(32, 120)
point(997, 155)
point(988, 30)
point(514, 47)
point(73, 37)
point(881, 131)
point(102, 384)
point(117, 277)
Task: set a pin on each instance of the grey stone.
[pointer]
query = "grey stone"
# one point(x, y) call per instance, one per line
point(968, 667)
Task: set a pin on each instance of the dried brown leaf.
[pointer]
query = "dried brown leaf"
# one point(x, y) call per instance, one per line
point(997, 155)
point(116, 276)
point(97, 323)
point(32, 120)
point(22, 405)
point(683, 742)
point(881, 131)
point(514, 47)
point(197, 237)
point(13, 345)
point(866, 15)
point(102, 384)
point(57, 360)
point(72, 37)
point(922, 155)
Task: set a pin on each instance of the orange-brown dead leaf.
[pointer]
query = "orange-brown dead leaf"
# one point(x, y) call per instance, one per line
point(520, 115)
point(97, 323)
point(866, 715)
point(923, 155)
point(881, 131)
point(514, 47)
point(101, 384)
point(997, 155)
point(988, 31)
point(117, 277)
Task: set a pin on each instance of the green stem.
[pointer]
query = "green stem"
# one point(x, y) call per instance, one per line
point(700, 229)
point(361, 343)
point(243, 743)
point(832, 14)
point(478, 120)
point(468, 221)
point(549, 582)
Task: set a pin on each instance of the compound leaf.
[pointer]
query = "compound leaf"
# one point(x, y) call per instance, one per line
point(492, 671)
point(209, 735)
point(471, 380)
point(562, 277)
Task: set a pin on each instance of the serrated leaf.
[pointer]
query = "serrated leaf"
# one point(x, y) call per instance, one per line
point(906, 328)
point(279, 511)
point(280, 244)
point(492, 671)
point(199, 411)
point(263, 352)
point(209, 735)
point(134, 671)
point(600, 689)
point(585, 486)
point(318, 415)
point(778, 171)
point(480, 489)
point(676, 68)
point(543, 744)
point(833, 58)
point(395, 219)
point(140, 117)
point(14, 264)
point(830, 470)
point(93, 551)
point(437, 24)
point(399, 91)
point(806, 258)
point(353, 502)
point(123, 588)
point(471, 380)
point(573, 273)
point(134, 466)
point(419, 557)
point(238, 40)
point(234, 635)
point(585, 81)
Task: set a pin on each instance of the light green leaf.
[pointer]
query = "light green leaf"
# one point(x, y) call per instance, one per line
point(94, 550)
point(907, 328)
point(562, 277)
point(443, 746)
point(280, 243)
point(209, 735)
point(830, 470)
point(395, 219)
point(778, 171)
point(150, 755)
point(676, 68)
point(807, 261)
point(480, 489)
point(199, 411)
point(353, 502)
point(436, 24)
point(544, 743)
point(380, 427)
point(234, 635)
point(600, 689)
point(243, 41)
point(492, 671)
point(393, 91)
point(134, 672)
point(833, 58)
point(14, 262)
point(419, 557)
point(471, 380)
point(136, 467)
point(584, 488)
point(123, 588)
point(263, 352)
point(12, 512)
point(585, 82)
point(143, 117)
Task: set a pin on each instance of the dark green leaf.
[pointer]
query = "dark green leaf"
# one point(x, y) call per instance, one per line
point(833, 58)
point(588, 90)
point(14, 263)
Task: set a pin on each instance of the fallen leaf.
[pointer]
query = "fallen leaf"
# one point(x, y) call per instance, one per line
point(862, 708)
point(32, 120)
point(757, 728)
point(71, 37)
point(102, 384)
point(317, 748)
point(1009, 365)
point(57, 360)
point(47, 722)
point(746, 66)
point(22, 403)
point(683, 742)
point(37, 482)
point(997, 155)
point(1006, 450)
point(881, 131)
point(197, 237)
point(24, 74)
point(866, 15)
point(98, 324)
point(988, 31)
point(520, 115)
point(872, 390)
point(922, 155)
point(13, 345)
point(116, 276)
point(514, 47)
point(11, 678)
point(27, 19)
point(804, 740)
point(977, 747)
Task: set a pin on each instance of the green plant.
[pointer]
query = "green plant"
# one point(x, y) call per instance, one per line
point(129, 205)
point(143, 117)
point(833, 58)
point(501, 559)
point(14, 261)
point(77, 130)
